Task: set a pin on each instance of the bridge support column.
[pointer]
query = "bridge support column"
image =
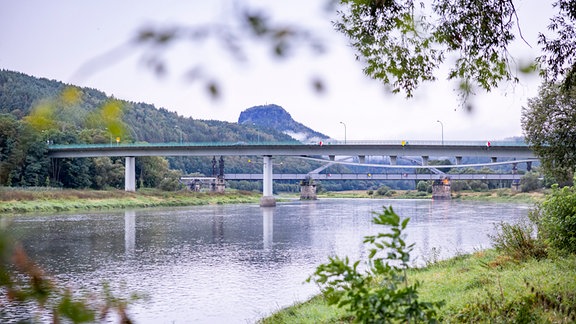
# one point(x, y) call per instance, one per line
point(130, 174)
point(308, 189)
point(458, 160)
point(267, 199)
point(494, 159)
point(393, 160)
point(425, 160)
point(362, 158)
point(441, 189)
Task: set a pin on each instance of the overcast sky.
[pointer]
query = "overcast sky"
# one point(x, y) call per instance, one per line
point(83, 43)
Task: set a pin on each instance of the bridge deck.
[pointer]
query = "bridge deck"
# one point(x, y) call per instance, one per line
point(351, 148)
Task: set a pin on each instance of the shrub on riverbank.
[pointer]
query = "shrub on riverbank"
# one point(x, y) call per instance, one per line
point(381, 293)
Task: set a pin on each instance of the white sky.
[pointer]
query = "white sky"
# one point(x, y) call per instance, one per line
point(56, 39)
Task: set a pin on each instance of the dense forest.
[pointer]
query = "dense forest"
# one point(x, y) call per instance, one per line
point(35, 112)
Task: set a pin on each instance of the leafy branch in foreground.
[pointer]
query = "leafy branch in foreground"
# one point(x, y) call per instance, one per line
point(24, 284)
point(381, 293)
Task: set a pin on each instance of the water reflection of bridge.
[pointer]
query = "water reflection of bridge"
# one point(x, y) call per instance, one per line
point(130, 216)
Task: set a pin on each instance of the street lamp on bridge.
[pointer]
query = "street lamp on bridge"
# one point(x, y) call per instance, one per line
point(442, 128)
point(180, 132)
point(344, 132)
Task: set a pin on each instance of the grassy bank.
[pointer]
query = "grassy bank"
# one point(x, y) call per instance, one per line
point(56, 200)
point(496, 195)
point(29, 201)
point(483, 287)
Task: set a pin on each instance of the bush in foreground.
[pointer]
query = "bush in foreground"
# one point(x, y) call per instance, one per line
point(556, 219)
point(381, 293)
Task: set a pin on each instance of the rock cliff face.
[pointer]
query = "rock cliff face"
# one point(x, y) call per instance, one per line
point(275, 117)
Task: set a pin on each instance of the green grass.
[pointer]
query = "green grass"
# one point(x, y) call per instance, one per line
point(484, 287)
point(496, 195)
point(33, 201)
point(14, 201)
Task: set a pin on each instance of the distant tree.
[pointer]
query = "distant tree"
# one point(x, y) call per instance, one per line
point(9, 127)
point(23, 160)
point(151, 171)
point(106, 172)
point(459, 185)
point(477, 185)
point(422, 186)
point(73, 173)
point(383, 191)
point(530, 182)
point(549, 124)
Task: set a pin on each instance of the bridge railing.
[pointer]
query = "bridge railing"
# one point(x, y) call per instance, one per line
point(328, 142)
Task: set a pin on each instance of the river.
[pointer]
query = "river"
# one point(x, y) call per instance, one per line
point(235, 263)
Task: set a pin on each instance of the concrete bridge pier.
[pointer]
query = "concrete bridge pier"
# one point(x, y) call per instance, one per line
point(393, 160)
point(267, 199)
point(425, 160)
point(130, 174)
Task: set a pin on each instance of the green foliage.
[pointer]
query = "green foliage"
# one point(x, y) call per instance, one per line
point(517, 240)
point(25, 283)
point(107, 173)
point(383, 191)
point(381, 293)
point(423, 186)
point(477, 185)
point(403, 44)
point(530, 182)
point(23, 160)
point(76, 311)
point(154, 172)
point(402, 48)
point(550, 129)
point(38, 111)
point(395, 45)
point(560, 60)
point(556, 219)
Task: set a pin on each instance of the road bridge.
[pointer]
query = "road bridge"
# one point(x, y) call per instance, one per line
point(321, 151)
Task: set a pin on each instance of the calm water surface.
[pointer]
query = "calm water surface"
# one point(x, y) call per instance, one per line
point(236, 263)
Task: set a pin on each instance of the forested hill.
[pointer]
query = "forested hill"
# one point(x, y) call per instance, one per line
point(36, 111)
point(275, 117)
point(21, 93)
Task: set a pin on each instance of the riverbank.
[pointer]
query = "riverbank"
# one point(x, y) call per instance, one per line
point(34, 200)
point(481, 287)
point(496, 195)
point(55, 200)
